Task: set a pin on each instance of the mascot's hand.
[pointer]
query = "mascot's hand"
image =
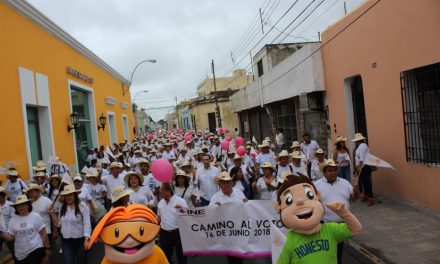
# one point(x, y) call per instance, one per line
point(337, 207)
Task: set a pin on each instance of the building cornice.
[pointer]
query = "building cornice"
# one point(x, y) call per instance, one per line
point(45, 23)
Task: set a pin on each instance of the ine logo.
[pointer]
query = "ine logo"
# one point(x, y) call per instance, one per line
point(193, 212)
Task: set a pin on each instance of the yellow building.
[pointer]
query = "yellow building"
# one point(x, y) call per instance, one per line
point(46, 76)
point(203, 108)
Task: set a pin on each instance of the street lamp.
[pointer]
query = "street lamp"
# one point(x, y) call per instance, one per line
point(138, 93)
point(102, 122)
point(74, 121)
point(132, 74)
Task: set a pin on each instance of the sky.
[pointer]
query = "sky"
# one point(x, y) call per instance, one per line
point(184, 36)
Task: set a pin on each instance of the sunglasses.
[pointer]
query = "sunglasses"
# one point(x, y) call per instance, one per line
point(141, 231)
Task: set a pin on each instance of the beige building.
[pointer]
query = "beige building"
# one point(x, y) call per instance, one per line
point(203, 108)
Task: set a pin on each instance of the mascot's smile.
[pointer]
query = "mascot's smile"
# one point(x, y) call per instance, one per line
point(305, 214)
point(129, 251)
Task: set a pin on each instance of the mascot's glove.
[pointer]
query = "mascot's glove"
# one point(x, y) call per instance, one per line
point(352, 222)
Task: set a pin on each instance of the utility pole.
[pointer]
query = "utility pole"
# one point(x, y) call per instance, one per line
point(217, 109)
point(261, 20)
point(345, 8)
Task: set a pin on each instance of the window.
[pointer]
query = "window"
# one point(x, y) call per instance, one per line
point(125, 127)
point(112, 127)
point(421, 113)
point(286, 120)
point(34, 134)
point(260, 68)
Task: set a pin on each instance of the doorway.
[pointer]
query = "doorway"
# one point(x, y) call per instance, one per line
point(211, 122)
point(112, 127)
point(360, 120)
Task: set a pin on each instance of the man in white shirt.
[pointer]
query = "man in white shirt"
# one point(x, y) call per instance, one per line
point(364, 171)
point(283, 164)
point(265, 156)
point(14, 186)
point(332, 189)
point(308, 147)
point(112, 180)
point(168, 154)
point(227, 193)
point(216, 149)
point(206, 180)
point(167, 212)
point(148, 180)
point(84, 195)
point(279, 139)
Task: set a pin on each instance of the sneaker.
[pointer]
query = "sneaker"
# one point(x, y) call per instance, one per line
point(371, 201)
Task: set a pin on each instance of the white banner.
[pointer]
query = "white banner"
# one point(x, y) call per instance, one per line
point(234, 229)
point(372, 160)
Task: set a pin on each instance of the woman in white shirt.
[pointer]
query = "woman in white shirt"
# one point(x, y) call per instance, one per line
point(54, 185)
point(140, 194)
point(27, 229)
point(299, 167)
point(266, 185)
point(342, 157)
point(97, 191)
point(183, 188)
point(75, 227)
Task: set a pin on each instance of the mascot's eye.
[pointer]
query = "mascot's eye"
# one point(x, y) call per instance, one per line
point(141, 231)
point(309, 193)
point(116, 232)
point(289, 199)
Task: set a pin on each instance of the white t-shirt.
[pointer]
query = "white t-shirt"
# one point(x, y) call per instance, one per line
point(309, 149)
point(111, 182)
point(361, 153)
point(301, 169)
point(281, 169)
point(15, 189)
point(142, 196)
point(340, 190)
point(179, 191)
point(262, 158)
point(316, 174)
point(25, 230)
point(265, 193)
point(41, 207)
point(220, 197)
point(168, 212)
point(206, 181)
point(96, 190)
point(75, 226)
point(151, 183)
point(84, 196)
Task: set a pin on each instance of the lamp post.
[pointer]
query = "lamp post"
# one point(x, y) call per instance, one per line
point(134, 70)
point(138, 93)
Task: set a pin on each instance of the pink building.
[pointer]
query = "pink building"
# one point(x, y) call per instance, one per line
point(382, 78)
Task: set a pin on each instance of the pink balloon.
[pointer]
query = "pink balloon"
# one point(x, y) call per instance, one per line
point(162, 170)
point(225, 145)
point(226, 130)
point(180, 131)
point(241, 151)
point(228, 138)
point(238, 141)
point(188, 138)
point(220, 130)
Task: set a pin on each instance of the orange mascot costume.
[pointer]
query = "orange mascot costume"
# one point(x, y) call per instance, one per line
point(128, 234)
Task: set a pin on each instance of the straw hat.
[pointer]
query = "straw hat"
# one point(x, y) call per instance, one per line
point(357, 137)
point(203, 147)
point(264, 144)
point(319, 151)
point(182, 173)
point(20, 200)
point(295, 144)
point(327, 163)
point(115, 164)
point(68, 189)
point(267, 165)
point(142, 161)
point(185, 163)
point(39, 166)
point(118, 192)
point(34, 186)
point(3, 190)
point(236, 157)
point(248, 146)
point(296, 155)
point(283, 153)
point(340, 139)
point(40, 174)
point(267, 139)
point(284, 176)
point(131, 173)
point(223, 176)
point(153, 150)
point(77, 178)
point(104, 161)
point(12, 173)
point(55, 176)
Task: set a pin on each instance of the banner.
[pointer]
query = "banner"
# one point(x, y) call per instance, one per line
point(372, 160)
point(234, 229)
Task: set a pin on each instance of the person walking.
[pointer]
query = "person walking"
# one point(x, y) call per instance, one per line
point(266, 185)
point(7, 212)
point(169, 234)
point(75, 226)
point(139, 194)
point(315, 171)
point(206, 180)
point(308, 147)
point(27, 230)
point(341, 156)
point(279, 139)
point(14, 186)
point(364, 171)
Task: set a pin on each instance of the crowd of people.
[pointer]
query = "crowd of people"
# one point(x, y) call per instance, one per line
point(207, 172)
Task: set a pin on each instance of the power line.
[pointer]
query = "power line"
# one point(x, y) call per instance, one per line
point(318, 17)
point(318, 49)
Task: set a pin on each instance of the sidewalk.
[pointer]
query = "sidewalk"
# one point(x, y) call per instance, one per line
point(398, 231)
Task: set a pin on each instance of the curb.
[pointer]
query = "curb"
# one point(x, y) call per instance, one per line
point(362, 254)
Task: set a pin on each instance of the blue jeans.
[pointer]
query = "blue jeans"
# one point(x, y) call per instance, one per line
point(73, 250)
point(344, 173)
